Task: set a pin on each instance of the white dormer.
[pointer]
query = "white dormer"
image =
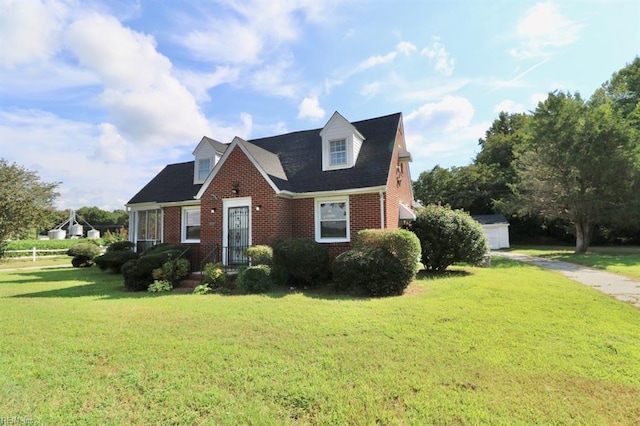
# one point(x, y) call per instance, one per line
point(341, 143)
point(207, 154)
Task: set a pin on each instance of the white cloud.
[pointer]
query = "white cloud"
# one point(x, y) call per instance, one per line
point(443, 62)
point(450, 114)
point(30, 30)
point(62, 150)
point(111, 147)
point(200, 83)
point(538, 97)
point(543, 29)
point(442, 133)
point(310, 108)
point(275, 78)
point(509, 106)
point(146, 101)
point(406, 47)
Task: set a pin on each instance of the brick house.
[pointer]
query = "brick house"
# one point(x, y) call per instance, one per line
point(326, 184)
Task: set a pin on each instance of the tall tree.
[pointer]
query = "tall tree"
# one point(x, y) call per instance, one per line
point(580, 164)
point(25, 199)
point(624, 90)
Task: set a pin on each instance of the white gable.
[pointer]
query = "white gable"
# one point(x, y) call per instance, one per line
point(335, 154)
point(206, 154)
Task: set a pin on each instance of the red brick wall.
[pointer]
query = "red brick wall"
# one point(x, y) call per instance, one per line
point(272, 221)
point(397, 190)
point(172, 217)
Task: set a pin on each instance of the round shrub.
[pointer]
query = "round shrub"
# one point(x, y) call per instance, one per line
point(448, 236)
point(113, 260)
point(300, 262)
point(260, 255)
point(83, 254)
point(254, 279)
point(130, 275)
point(403, 244)
point(140, 275)
point(370, 270)
point(214, 275)
point(120, 246)
point(173, 270)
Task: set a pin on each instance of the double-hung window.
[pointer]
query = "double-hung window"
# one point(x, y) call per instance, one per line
point(204, 167)
point(191, 224)
point(338, 152)
point(332, 220)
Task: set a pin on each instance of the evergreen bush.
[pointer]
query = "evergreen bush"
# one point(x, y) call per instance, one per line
point(300, 261)
point(370, 270)
point(403, 244)
point(448, 236)
point(255, 279)
point(83, 254)
point(260, 255)
point(113, 260)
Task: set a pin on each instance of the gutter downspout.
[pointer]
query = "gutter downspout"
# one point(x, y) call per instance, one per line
point(381, 209)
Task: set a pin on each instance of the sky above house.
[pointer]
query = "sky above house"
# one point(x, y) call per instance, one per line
point(101, 95)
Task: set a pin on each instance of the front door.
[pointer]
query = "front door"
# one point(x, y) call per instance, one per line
point(237, 235)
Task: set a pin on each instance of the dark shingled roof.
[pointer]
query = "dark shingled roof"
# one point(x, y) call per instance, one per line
point(174, 183)
point(490, 219)
point(300, 157)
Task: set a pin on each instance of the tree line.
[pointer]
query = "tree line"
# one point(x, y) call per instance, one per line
point(570, 170)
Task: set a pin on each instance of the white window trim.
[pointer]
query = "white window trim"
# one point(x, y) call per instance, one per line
point(318, 203)
point(183, 224)
point(212, 163)
point(348, 145)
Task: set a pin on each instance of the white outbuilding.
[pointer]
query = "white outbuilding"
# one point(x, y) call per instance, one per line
point(496, 228)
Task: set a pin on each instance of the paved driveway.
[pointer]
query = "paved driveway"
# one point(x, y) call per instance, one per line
point(622, 288)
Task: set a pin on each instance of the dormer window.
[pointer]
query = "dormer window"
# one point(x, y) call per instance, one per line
point(204, 167)
point(341, 143)
point(206, 154)
point(338, 152)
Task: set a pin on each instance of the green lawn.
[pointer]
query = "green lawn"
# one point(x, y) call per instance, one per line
point(624, 260)
point(511, 344)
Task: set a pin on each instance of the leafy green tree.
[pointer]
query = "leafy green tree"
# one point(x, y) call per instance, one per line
point(25, 200)
point(579, 164)
point(624, 90)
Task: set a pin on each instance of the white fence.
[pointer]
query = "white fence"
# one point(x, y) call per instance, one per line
point(33, 253)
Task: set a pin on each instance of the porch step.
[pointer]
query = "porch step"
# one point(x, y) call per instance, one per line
point(188, 284)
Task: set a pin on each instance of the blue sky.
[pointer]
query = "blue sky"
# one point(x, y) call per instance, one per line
point(100, 95)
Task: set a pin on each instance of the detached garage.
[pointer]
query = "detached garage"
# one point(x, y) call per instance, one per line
point(496, 228)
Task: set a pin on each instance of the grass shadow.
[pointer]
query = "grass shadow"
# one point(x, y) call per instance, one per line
point(430, 276)
point(89, 282)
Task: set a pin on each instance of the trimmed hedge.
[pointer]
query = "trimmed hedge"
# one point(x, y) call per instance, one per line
point(260, 255)
point(448, 236)
point(403, 244)
point(255, 279)
point(138, 273)
point(83, 254)
point(370, 270)
point(300, 261)
point(113, 260)
point(121, 246)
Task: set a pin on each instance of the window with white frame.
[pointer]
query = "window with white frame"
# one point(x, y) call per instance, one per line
point(332, 220)
point(338, 152)
point(148, 225)
point(191, 224)
point(204, 167)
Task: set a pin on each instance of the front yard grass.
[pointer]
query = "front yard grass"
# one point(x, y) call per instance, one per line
point(510, 344)
point(623, 260)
